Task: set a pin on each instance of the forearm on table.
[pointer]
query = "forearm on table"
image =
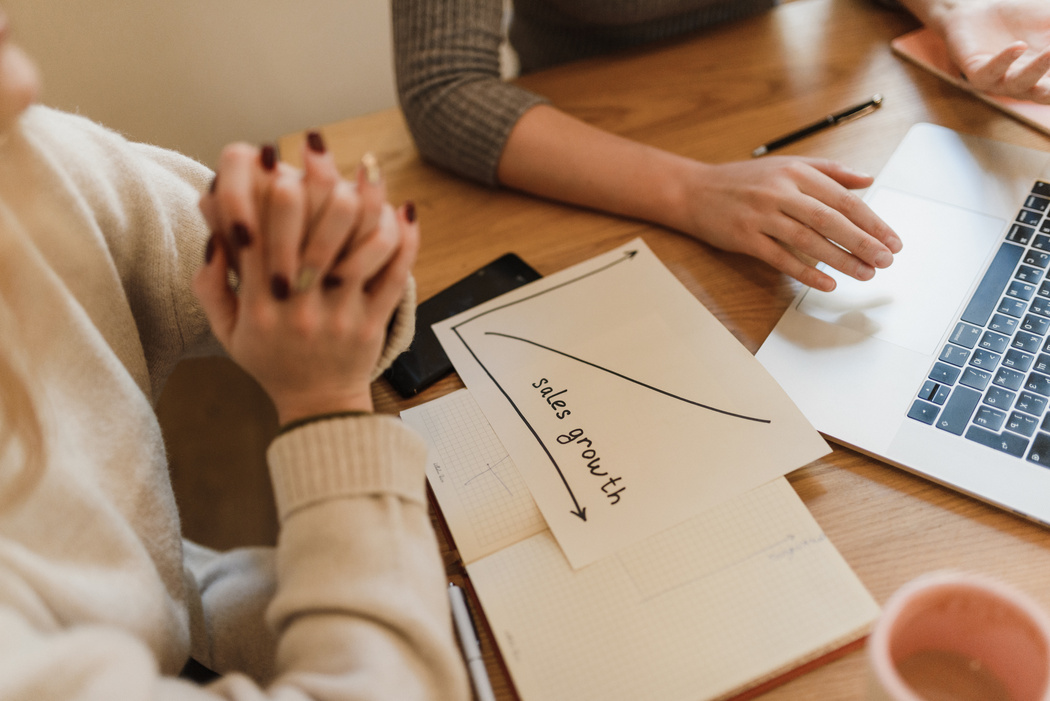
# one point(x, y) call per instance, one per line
point(554, 155)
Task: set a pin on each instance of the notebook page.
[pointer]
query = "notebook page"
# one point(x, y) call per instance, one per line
point(724, 602)
point(482, 496)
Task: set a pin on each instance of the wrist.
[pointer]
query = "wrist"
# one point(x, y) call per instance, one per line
point(293, 410)
point(683, 180)
point(331, 416)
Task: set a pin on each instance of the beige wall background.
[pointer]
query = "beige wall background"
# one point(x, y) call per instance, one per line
point(193, 75)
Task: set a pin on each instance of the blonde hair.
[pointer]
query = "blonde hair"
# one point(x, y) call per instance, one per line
point(21, 436)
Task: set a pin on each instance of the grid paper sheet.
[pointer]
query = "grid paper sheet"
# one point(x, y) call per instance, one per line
point(482, 495)
point(729, 599)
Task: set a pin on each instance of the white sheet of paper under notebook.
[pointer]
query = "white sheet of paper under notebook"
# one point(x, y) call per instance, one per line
point(721, 605)
point(606, 381)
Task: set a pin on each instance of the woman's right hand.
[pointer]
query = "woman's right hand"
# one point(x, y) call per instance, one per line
point(788, 212)
point(322, 264)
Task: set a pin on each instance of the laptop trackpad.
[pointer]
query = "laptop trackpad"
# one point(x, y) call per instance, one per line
point(912, 302)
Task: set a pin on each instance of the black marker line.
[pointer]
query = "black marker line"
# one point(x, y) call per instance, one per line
point(629, 379)
point(580, 512)
point(626, 256)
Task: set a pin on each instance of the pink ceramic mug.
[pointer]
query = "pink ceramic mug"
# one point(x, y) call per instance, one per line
point(959, 636)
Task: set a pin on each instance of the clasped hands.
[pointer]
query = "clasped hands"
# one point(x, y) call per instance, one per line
point(320, 263)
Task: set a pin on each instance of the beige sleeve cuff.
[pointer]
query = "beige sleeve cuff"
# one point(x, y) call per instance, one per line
point(346, 457)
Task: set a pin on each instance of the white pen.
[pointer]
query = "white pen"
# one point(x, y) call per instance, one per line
point(468, 642)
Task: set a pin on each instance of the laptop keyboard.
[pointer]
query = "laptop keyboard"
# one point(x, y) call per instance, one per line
point(991, 383)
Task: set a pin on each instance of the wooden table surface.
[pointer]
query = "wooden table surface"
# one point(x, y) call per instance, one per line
point(715, 97)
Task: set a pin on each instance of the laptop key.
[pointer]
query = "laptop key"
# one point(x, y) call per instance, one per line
point(966, 335)
point(1037, 258)
point(999, 397)
point(945, 374)
point(1006, 442)
point(1023, 290)
point(1027, 341)
point(1036, 324)
point(1031, 403)
point(989, 418)
point(1013, 307)
point(986, 296)
point(929, 388)
point(1036, 202)
point(973, 377)
point(1028, 218)
point(985, 359)
point(1019, 233)
point(923, 411)
point(1022, 423)
point(1011, 379)
point(957, 412)
point(955, 355)
point(1040, 305)
point(995, 342)
point(1018, 360)
point(1040, 453)
point(1038, 383)
point(1002, 323)
point(1027, 273)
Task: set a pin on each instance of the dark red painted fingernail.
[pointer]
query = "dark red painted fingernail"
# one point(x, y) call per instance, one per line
point(331, 282)
point(209, 248)
point(280, 288)
point(214, 183)
point(316, 142)
point(241, 236)
point(268, 157)
point(410, 211)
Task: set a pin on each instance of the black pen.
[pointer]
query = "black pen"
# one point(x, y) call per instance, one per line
point(829, 121)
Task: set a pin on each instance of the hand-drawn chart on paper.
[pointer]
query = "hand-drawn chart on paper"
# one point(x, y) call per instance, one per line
point(625, 404)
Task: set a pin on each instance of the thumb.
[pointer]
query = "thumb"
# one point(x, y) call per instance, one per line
point(843, 175)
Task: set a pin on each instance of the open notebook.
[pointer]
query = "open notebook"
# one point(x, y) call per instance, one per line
point(726, 604)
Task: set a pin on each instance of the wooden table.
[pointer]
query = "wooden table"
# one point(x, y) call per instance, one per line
point(715, 97)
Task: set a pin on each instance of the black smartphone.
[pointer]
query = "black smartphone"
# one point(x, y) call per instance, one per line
point(425, 362)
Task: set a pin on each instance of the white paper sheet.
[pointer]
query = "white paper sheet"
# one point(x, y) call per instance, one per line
point(626, 405)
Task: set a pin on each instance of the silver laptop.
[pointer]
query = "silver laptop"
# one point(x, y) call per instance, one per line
point(941, 364)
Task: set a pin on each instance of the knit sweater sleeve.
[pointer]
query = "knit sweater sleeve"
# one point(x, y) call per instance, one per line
point(458, 109)
point(94, 598)
point(360, 581)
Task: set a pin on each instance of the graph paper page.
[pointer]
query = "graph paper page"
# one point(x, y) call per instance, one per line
point(725, 601)
point(705, 610)
point(485, 502)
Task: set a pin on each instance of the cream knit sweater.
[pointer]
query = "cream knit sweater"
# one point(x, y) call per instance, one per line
point(99, 596)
